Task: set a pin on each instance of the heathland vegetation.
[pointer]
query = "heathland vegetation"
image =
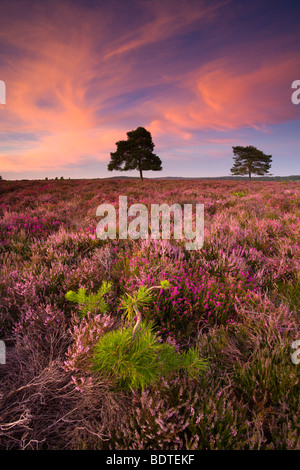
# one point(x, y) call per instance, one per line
point(215, 325)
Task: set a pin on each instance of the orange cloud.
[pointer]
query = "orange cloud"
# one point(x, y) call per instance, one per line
point(62, 149)
point(225, 95)
point(47, 93)
point(235, 97)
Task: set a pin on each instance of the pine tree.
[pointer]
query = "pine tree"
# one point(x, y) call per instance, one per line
point(135, 153)
point(249, 160)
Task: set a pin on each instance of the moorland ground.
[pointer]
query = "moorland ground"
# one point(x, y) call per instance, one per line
point(236, 301)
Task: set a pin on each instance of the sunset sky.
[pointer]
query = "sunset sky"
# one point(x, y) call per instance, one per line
point(201, 76)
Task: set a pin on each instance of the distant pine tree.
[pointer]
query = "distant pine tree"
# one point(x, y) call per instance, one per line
point(135, 153)
point(249, 160)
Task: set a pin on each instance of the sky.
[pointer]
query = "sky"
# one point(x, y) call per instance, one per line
point(201, 75)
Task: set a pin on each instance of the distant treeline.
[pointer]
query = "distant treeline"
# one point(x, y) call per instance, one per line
point(236, 178)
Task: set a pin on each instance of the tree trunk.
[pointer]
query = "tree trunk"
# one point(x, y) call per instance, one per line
point(141, 174)
point(249, 174)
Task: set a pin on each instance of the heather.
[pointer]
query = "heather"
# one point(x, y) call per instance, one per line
point(235, 301)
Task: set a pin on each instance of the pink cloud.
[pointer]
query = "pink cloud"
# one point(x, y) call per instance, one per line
point(226, 95)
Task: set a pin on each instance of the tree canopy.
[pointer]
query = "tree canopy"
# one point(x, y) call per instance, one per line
point(249, 160)
point(135, 153)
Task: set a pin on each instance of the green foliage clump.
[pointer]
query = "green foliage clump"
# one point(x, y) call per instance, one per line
point(133, 356)
point(135, 364)
point(90, 302)
point(130, 303)
point(240, 193)
point(141, 298)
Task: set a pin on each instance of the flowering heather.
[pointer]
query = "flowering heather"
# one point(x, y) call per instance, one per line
point(236, 300)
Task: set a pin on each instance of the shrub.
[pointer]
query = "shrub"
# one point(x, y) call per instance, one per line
point(182, 415)
point(132, 356)
point(85, 333)
point(90, 302)
point(139, 362)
